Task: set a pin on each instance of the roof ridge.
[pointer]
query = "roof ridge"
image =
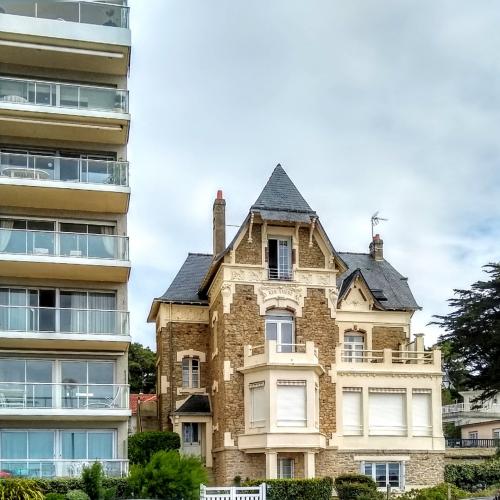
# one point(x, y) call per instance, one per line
point(201, 254)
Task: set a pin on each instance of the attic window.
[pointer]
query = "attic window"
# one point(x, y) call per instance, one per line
point(379, 295)
point(280, 258)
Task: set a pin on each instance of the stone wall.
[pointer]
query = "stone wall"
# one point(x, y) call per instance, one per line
point(250, 253)
point(231, 463)
point(458, 455)
point(385, 337)
point(312, 257)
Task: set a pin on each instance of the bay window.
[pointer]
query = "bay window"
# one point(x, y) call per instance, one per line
point(421, 410)
point(387, 412)
point(291, 403)
point(352, 414)
point(258, 404)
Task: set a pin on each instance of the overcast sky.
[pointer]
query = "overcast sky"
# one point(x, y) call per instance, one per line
point(368, 105)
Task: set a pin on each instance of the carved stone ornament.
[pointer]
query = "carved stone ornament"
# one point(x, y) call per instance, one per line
point(333, 297)
point(281, 296)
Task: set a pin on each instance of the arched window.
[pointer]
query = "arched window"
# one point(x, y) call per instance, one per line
point(354, 345)
point(280, 326)
point(190, 372)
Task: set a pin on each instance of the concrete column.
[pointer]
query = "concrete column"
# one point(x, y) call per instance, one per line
point(309, 464)
point(271, 465)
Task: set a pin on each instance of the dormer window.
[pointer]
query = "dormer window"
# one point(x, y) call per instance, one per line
point(280, 258)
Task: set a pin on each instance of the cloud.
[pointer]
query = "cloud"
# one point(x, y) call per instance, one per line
point(369, 105)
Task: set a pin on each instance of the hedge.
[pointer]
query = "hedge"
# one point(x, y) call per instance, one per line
point(439, 492)
point(473, 476)
point(143, 445)
point(296, 489)
point(64, 485)
point(356, 486)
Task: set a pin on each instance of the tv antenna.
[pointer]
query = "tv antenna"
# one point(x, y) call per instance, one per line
point(376, 220)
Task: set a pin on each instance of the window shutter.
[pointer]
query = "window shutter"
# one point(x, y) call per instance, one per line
point(386, 412)
point(258, 402)
point(291, 403)
point(351, 412)
point(294, 256)
point(422, 423)
point(266, 254)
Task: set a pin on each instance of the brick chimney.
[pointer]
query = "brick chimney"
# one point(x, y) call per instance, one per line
point(377, 248)
point(219, 211)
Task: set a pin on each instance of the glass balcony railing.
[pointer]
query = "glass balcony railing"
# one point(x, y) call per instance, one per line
point(115, 14)
point(59, 468)
point(54, 168)
point(25, 319)
point(61, 244)
point(63, 95)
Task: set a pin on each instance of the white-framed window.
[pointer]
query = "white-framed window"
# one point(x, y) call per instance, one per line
point(190, 372)
point(352, 414)
point(422, 414)
point(385, 473)
point(280, 258)
point(258, 404)
point(354, 345)
point(387, 412)
point(87, 444)
point(291, 403)
point(496, 434)
point(473, 435)
point(286, 468)
point(190, 433)
point(280, 327)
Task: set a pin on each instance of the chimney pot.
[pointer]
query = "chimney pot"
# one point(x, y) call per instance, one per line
point(219, 224)
point(377, 248)
point(219, 194)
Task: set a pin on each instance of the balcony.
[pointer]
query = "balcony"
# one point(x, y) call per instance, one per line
point(52, 182)
point(76, 35)
point(60, 111)
point(284, 274)
point(59, 468)
point(285, 355)
point(63, 255)
point(472, 443)
point(470, 412)
point(23, 399)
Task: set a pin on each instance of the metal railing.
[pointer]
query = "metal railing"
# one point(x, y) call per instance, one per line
point(62, 95)
point(62, 244)
point(59, 468)
point(84, 12)
point(63, 320)
point(280, 274)
point(63, 169)
point(396, 357)
point(67, 396)
point(472, 443)
point(470, 407)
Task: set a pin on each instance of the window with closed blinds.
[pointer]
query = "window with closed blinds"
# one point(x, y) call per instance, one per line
point(258, 404)
point(291, 403)
point(386, 412)
point(421, 409)
point(351, 412)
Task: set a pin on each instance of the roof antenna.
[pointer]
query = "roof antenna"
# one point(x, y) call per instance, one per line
point(375, 221)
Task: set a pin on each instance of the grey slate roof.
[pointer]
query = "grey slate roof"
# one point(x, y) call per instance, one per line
point(384, 281)
point(184, 287)
point(196, 403)
point(280, 200)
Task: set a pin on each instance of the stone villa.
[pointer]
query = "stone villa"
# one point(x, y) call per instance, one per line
point(279, 356)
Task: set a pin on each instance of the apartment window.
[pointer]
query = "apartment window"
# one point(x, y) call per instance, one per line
point(473, 435)
point(291, 403)
point(258, 404)
point(422, 415)
point(385, 473)
point(87, 445)
point(280, 258)
point(280, 328)
point(190, 372)
point(352, 414)
point(285, 468)
point(354, 345)
point(386, 412)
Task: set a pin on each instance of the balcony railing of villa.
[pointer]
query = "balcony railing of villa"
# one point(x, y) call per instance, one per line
point(280, 274)
point(59, 468)
point(65, 396)
point(45, 320)
point(458, 408)
point(272, 352)
point(63, 244)
point(63, 169)
point(62, 95)
point(392, 359)
point(472, 443)
point(105, 13)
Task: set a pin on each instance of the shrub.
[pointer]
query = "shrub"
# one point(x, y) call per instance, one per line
point(92, 478)
point(169, 475)
point(143, 445)
point(55, 496)
point(20, 489)
point(356, 487)
point(439, 492)
point(473, 476)
point(77, 495)
point(118, 485)
point(296, 489)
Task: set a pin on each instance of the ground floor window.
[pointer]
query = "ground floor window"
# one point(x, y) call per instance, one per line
point(285, 468)
point(385, 473)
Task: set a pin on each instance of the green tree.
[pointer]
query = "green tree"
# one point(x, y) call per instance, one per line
point(471, 344)
point(141, 369)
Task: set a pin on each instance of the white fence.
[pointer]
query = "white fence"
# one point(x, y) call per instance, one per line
point(233, 493)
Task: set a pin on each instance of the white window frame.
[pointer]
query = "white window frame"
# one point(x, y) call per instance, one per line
point(283, 271)
point(283, 463)
point(382, 430)
point(292, 423)
point(347, 428)
point(256, 386)
point(280, 317)
point(424, 430)
point(373, 474)
point(473, 435)
point(190, 369)
point(353, 348)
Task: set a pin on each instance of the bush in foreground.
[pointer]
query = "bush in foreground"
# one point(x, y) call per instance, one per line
point(143, 445)
point(473, 476)
point(168, 475)
point(439, 492)
point(356, 487)
point(296, 489)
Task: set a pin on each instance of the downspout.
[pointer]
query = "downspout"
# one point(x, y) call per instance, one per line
point(171, 374)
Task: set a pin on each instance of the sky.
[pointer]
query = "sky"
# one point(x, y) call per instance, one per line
point(368, 105)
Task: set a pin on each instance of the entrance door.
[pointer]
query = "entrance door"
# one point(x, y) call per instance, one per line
point(191, 438)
